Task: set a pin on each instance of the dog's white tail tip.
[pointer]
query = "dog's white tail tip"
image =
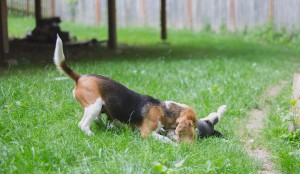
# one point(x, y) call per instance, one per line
point(59, 54)
point(58, 40)
point(221, 110)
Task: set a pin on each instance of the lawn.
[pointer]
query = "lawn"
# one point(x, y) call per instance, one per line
point(39, 116)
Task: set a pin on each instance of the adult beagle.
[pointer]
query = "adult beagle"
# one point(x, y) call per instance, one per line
point(99, 94)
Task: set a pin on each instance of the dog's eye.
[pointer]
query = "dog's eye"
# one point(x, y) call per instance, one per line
point(177, 123)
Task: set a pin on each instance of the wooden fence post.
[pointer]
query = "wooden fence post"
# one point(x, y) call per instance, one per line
point(98, 17)
point(4, 44)
point(296, 108)
point(188, 14)
point(144, 16)
point(112, 35)
point(52, 8)
point(27, 7)
point(163, 19)
point(37, 11)
point(271, 11)
point(232, 14)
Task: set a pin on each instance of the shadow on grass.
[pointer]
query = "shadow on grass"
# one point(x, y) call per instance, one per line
point(42, 54)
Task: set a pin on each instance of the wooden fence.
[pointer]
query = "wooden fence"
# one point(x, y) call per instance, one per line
point(181, 14)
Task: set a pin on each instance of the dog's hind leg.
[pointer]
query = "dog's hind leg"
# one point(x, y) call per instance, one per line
point(99, 121)
point(90, 114)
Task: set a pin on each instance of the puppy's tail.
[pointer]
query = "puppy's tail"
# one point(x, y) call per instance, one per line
point(215, 117)
point(60, 62)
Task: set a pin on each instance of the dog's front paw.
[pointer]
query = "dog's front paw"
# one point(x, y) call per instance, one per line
point(87, 131)
point(171, 134)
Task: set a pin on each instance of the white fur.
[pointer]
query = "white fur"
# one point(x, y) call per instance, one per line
point(171, 134)
point(163, 138)
point(168, 103)
point(214, 115)
point(159, 127)
point(211, 117)
point(221, 110)
point(73, 92)
point(90, 114)
point(59, 56)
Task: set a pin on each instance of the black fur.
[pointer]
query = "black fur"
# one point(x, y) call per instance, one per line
point(122, 103)
point(206, 129)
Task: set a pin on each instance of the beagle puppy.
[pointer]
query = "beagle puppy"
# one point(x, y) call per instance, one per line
point(99, 94)
point(206, 126)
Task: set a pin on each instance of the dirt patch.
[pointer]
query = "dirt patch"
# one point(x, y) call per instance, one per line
point(274, 91)
point(254, 126)
point(256, 119)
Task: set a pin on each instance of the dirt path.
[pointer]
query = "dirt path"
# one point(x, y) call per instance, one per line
point(255, 125)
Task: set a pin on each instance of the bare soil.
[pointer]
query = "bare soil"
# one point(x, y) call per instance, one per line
point(255, 125)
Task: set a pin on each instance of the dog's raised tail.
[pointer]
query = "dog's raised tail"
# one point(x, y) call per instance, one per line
point(60, 62)
point(215, 117)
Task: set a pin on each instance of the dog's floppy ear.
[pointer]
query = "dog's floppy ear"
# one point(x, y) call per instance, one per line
point(185, 130)
point(185, 125)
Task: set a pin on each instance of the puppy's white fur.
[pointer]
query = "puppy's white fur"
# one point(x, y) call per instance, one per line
point(216, 115)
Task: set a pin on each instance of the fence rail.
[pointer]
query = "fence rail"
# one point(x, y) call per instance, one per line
point(181, 14)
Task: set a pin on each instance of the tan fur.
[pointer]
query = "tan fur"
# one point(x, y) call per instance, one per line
point(151, 121)
point(87, 90)
point(186, 124)
point(170, 119)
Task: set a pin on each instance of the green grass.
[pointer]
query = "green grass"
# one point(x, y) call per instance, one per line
point(39, 117)
point(285, 150)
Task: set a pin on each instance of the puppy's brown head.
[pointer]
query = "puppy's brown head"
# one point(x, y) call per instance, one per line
point(186, 124)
